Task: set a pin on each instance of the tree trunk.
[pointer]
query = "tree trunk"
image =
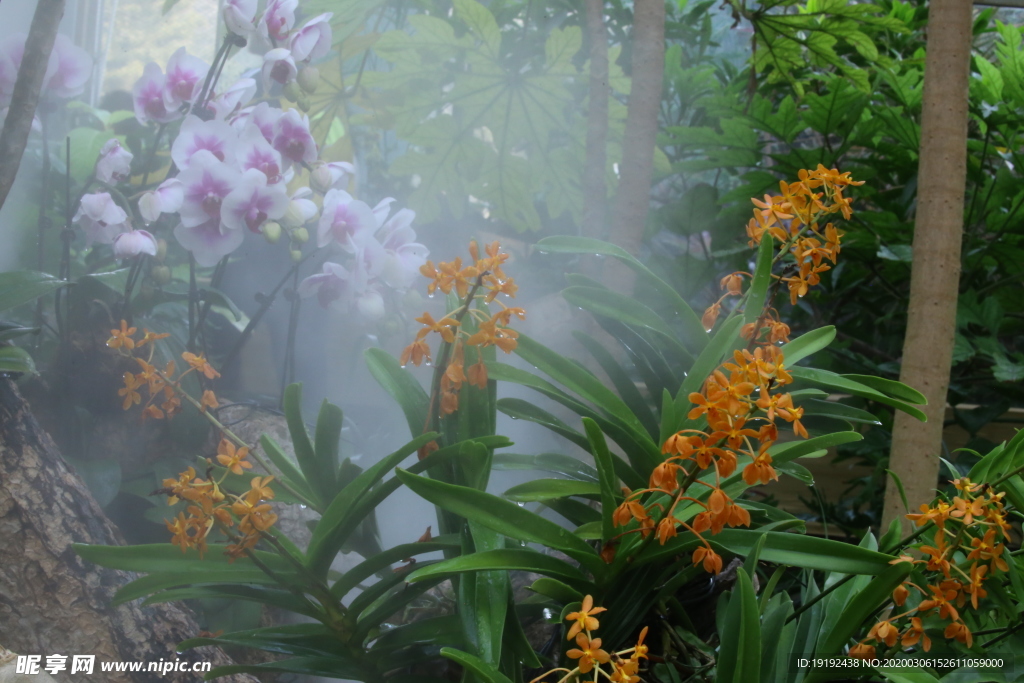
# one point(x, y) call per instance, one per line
point(637, 165)
point(52, 601)
point(41, 35)
point(935, 271)
point(595, 185)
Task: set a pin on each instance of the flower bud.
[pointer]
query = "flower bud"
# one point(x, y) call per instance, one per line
point(321, 179)
point(296, 255)
point(271, 232)
point(161, 250)
point(161, 275)
point(146, 291)
point(300, 235)
point(309, 78)
point(292, 91)
point(293, 217)
point(302, 102)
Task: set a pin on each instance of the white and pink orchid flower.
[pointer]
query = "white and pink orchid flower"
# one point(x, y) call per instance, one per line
point(344, 220)
point(69, 69)
point(115, 162)
point(100, 218)
point(239, 16)
point(404, 254)
point(278, 19)
point(148, 96)
point(206, 182)
point(214, 136)
point(209, 242)
point(278, 67)
point(303, 205)
point(263, 116)
point(293, 139)
point(253, 151)
point(229, 102)
point(165, 199)
point(133, 243)
point(330, 287)
point(184, 78)
point(252, 202)
point(312, 41)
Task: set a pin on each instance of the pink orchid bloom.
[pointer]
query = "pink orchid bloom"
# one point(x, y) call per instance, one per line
point(253, 202)
point(229, 102)
point(344, 220)
point(184, 78)
point(100, 218)
point(133, 243)
point(71, 68)
point(165, 199)
point(239, 16)
point(206, 182)
point(214, 136)
point(278, 67)
point(253, 151)
point(209, 242)
point(263, 116)
point(312, 41)
point(330, 286)
point(304, 206)
point(148, 94)
point(115, 162)
point(293, 139)
point(404, 254)
point(278, 19)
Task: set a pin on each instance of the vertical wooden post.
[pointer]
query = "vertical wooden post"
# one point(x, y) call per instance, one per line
point(935, 270)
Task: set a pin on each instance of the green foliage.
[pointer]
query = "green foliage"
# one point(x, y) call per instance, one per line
point(490, 115)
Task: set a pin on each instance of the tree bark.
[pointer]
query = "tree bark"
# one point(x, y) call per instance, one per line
point(41, 35)
point(637, 165)
point(595, 186)
point(52, 601)
point(935, 270)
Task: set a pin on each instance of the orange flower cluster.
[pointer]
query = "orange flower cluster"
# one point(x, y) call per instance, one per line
point(794, 217)
point(741, 400)
point(590, 655)
point(164, 391)
point(210, 505)
point(979, 528)
point(484, 280)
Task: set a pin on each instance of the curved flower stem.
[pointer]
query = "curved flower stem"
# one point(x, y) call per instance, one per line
point(152, 153)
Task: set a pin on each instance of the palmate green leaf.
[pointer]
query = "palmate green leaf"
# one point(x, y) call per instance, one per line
point(502, 516)
point(22, 286)
point(402, 387)
point(739, 658)
point(694, 332)
point(509, 559)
